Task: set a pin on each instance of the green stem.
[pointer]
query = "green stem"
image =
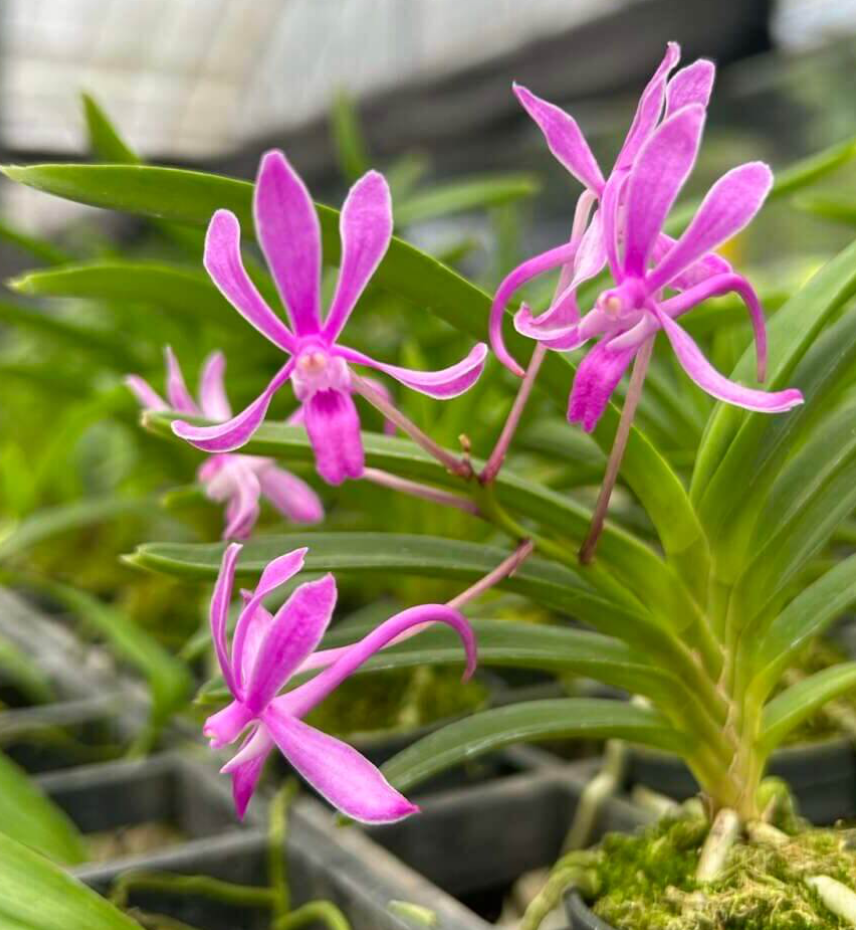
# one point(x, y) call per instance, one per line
point(202, 885)
point(276, 847)
point(321, 911)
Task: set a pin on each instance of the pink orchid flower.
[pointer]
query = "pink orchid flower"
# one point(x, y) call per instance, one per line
point(289, 234)
point(627, 234)
point(239, 480)
point(267, 651)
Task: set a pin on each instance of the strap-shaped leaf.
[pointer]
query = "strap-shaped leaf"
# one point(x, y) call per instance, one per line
point(648, 579)
point(104, 138)
point(42, 249)
point(547, 583)
point(478, 734)
point(28, 816)
point(192, 197)
point(808, 615)
point(463, 194)
point(37, 895)
point(733, 449)
point(800, 701)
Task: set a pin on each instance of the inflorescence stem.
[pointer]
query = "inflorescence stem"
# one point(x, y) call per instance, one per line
point(504, 570)
point(631, 402)
point(416, 489)
point(454, 464)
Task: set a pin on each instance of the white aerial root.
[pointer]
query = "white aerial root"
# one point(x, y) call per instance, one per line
point(724, 833)
point(837, 897)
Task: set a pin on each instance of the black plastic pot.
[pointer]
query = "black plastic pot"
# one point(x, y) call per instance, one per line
point(580, 915)
point(167, 789)
point(822, 776)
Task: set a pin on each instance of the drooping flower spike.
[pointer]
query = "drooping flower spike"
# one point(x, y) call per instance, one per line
point(289, 234)
point(238, 480)
point(267, 651)
point(627, 233)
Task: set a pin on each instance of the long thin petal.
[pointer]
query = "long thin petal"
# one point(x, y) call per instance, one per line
point(291, 496)
point(276, 573)
point(290, 237)
point(728, 207)
point(547, 261)
point(564, 138)
point(242, 510)
point(176, 389)
point(219, 611)
point(224, 264)
point(714, 287)
point(346, 779)
point(659, 173)
point(349, 659)
point(246, 767)
point(596, 378)
point(234, 433)
point(212, 391)
point(690, 85)
point(444, 384)
point(227, 724)
point(365, 225)
point(710, 380)
point(148, 398)
point(297, 628)
point(649, 109)
point(333, 426)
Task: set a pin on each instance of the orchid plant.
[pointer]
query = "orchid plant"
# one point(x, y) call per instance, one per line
point(701, 621)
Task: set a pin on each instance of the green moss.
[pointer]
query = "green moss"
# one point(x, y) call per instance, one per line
point(397, 700)
point(646, 881)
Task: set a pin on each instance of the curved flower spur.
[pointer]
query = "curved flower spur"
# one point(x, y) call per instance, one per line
point(289, 234)
point(239, 480)
point(267, 651)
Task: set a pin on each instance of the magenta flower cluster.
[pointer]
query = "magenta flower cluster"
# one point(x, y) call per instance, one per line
point(618, 225)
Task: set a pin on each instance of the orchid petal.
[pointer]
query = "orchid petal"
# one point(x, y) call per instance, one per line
point(564, 138)
point(176, 389)
point(710, 380)
point(212, 391)
point(224, 264)
point(444, 384)
point(290, 237)
point(596, 378)
point(728, 207)
point(297, 628)
point(148, 398)
point(276, 573)
point(722, 284)
point(690, 85)
point(246, 767)
point(547, 261)
point(227, 724)
point(346, 779)
point(347, 661)
point(659, 173)
point(365, 225)
point(242, 510)
point(649, 110)
point(707, 267)
point(333, 426)
point(235, 432)
point(219, 611)
point(291, 496)
point(257, 623)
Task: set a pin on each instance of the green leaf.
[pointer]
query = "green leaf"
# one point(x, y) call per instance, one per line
point(65, 518)
point(179, 290)
point(828, 208)
point(35, 894)
point(621, 557)
point(192, 197)
point(28, 816)
point(104, 138)
point(585, 718)
point(169, 679)
point(20, 670)
point(475, 193)
point(736, 445)
point(41, 249)
point(807, 616)
point(800, 701)
point(351, 147)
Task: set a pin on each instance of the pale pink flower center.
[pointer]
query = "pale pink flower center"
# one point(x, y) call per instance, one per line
point(317, 370)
